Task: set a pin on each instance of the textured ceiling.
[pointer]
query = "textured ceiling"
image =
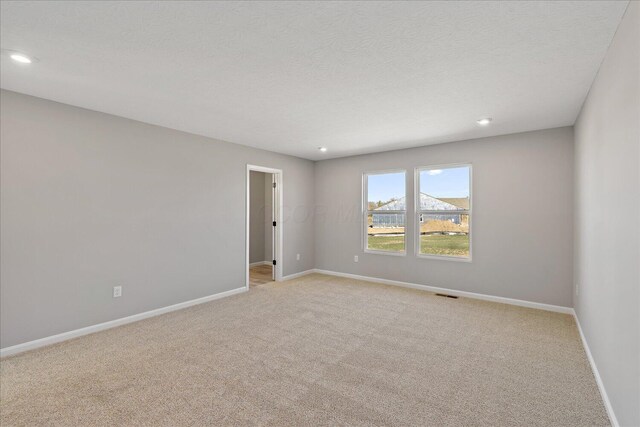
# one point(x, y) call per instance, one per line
point(289, 77)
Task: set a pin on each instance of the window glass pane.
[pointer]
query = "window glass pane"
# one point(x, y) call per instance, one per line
point(385, 231)
point(386, 191)
point(444, 189)
point(444, 234)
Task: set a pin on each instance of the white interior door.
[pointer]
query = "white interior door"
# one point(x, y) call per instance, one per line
point(276, 223)
point(274, 216)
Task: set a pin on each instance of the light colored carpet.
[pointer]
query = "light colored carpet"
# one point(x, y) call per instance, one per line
point(317, 350)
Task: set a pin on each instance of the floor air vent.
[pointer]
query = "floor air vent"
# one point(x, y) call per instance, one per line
point(447, 296)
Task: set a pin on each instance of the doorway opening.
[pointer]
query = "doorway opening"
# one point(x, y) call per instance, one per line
point(264, 230)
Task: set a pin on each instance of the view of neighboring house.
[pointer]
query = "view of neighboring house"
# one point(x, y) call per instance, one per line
point(427, 202)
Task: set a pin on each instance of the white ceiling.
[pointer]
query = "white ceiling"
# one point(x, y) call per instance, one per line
point(356, 77)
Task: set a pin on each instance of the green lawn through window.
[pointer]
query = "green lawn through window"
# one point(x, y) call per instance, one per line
point(434, 244)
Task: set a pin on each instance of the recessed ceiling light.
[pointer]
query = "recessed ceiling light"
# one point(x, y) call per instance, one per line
point(485, 121)
point(21, 58)
point(323, 149)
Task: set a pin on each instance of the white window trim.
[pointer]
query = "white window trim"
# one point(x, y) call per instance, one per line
point(418, 212)
point(365, 212)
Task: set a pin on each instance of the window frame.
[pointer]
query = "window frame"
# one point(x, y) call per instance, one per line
point(365, 213)
point(418, 212)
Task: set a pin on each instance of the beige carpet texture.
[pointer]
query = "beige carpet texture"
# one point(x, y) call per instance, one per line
point(316, 350)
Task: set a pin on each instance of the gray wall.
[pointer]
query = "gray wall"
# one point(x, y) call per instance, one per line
point(607, 216)
point(257, 217)
point(91, 200)
point(522, 225)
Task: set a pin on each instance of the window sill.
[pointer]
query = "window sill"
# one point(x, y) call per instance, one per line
point(370, 251)
point(445, 258)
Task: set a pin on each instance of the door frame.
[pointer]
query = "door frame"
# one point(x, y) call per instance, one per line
point(278, 204)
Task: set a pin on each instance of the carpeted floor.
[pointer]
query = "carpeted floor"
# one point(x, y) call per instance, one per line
point(317, 350)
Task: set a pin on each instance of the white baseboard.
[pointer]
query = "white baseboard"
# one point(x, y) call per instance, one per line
point(19, 348)
point(300, 274)
point(594, 368)
point(255, 264)
point(503, 300)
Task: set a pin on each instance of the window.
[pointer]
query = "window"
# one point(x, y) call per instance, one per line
point(385, 212)
point(443, 211)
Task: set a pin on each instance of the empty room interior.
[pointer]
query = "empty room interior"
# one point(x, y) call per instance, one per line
point(284, 213)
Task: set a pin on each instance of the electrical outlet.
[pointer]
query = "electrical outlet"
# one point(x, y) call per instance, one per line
point(355, 258)
point(117, 291)
point(577, 289)
point(297, 257)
